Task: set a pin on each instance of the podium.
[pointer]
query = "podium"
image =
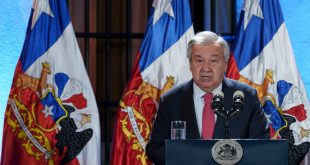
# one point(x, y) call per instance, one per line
point(202, 152)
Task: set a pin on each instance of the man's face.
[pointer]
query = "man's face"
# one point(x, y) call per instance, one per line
point(208, 66)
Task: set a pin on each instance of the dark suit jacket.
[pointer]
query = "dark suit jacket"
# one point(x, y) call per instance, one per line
point(178, 104)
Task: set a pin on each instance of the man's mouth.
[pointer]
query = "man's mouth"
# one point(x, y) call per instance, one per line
point(206, 78)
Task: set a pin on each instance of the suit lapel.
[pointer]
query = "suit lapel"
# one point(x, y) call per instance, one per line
point(188, 112)
point(219, 130)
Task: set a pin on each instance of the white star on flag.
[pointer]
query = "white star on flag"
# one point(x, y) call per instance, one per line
point(251, 7)
point(48, 111)
point(162, 6)
point(40, 6)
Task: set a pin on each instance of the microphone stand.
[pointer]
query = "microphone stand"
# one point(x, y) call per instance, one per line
point(227, 121)
point(232, 114)
point(227, 116)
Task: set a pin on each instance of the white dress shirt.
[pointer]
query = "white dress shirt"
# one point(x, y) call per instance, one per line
point(199, 103)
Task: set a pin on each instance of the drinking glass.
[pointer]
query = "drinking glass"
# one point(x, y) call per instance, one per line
point(178, 130)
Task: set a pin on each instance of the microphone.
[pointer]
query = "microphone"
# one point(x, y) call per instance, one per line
point(237, 105)
point(217, 104)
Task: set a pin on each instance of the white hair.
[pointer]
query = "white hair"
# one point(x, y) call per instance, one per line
point(205, 38)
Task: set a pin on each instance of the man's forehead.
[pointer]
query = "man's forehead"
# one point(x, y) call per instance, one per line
point(210, 56)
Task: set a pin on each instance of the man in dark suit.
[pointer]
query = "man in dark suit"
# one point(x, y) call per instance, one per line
point(191, 102)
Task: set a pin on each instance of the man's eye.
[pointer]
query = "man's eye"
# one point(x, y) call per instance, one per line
point(199, 61)
point(214, 60)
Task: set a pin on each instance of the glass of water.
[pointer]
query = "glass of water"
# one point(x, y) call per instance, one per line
point(178, 130)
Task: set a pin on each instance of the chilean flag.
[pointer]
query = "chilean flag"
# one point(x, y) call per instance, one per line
point(263, 58)
point(51, 115)
point(161, 64)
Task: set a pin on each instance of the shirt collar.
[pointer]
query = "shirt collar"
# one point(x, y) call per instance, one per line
point(198, 93)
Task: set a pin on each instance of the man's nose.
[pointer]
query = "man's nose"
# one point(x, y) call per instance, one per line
point(206, 66)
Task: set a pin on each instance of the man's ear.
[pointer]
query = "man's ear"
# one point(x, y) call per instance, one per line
point(190, 65)
point(226, 65)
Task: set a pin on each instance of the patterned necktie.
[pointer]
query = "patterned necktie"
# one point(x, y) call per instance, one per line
point(208, 118)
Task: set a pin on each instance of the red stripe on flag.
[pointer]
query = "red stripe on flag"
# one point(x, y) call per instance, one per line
point(78, 100)
point(232, 68)
point(298, 111)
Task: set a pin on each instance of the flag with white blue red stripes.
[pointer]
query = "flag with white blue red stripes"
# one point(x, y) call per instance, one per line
point(51, 115)
point(160, 64)
point(263, 58)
